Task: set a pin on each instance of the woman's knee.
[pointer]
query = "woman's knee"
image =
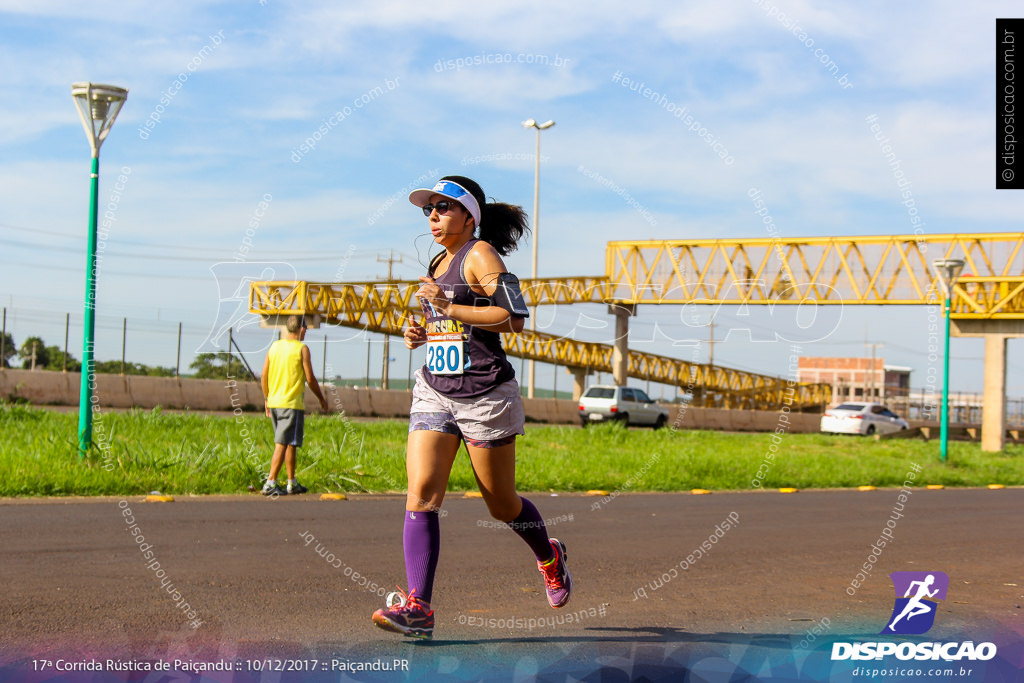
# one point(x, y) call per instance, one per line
point(505, 509)
point(423, 501)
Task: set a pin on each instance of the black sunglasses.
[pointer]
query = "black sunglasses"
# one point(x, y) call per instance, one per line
point(443, 207)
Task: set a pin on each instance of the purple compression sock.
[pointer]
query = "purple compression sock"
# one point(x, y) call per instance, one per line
point(530, 527)
point(421, 540)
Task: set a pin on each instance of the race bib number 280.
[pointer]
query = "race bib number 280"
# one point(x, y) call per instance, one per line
point(445, 354)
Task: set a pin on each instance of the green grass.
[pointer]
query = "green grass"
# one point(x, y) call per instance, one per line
point(198, 453)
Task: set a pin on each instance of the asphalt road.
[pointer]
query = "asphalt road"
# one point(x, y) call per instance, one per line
point(77, 586)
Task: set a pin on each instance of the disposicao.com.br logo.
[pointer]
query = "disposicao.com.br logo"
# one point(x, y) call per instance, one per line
point(913, 613)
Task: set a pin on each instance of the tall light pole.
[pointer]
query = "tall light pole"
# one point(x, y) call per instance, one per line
point(98, 106)
point(531, 123)
point(948, 271)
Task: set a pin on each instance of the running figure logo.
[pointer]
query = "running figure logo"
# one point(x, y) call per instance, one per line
point(914, 612)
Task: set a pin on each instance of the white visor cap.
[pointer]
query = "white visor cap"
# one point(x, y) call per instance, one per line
point(452, 190)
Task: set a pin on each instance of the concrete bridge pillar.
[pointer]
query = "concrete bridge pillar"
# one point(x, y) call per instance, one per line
point(620, 348)
point(993, 409)
point(579, 382)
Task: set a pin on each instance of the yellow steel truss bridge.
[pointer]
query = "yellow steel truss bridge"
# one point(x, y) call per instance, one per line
point(825, 270)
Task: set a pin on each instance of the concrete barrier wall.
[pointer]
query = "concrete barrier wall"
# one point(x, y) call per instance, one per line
point(116, 391)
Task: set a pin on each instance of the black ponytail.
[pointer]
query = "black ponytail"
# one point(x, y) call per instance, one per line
point(501, 225)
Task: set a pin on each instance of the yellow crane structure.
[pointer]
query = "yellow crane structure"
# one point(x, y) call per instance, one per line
point(887, 269)
point(987, 300)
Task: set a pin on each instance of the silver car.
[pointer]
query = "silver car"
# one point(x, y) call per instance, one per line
point(603, 403)
point(857, 417)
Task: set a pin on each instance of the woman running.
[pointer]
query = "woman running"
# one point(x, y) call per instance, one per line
point(466, 392)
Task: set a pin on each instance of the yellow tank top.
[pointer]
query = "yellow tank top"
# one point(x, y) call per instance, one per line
point(287, 379)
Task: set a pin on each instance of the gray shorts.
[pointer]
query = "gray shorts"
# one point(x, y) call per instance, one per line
point(288, 425)
point(496, 416)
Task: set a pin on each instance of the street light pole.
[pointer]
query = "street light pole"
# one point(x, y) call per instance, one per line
point(532, 123)
point(98, 106)
point(948, 271)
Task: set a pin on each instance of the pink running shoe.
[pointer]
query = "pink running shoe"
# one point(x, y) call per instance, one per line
point(406, 614)
point(557, 578)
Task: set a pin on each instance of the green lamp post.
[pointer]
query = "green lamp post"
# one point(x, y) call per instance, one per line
point(948, 271)
point(98, 106)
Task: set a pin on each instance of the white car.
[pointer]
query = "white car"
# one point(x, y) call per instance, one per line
point(861, 418)
point(601, 403)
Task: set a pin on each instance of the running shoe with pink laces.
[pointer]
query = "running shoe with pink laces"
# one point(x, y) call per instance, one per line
point(406, 614)
point(557, 578)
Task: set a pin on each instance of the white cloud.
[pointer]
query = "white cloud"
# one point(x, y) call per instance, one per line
point(282, 70)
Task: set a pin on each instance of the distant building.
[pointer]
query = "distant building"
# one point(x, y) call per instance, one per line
point(857, 379)
point(864, 379)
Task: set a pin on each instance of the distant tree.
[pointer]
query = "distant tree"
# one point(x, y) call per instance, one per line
point(784, 288)
point(113, 367)
point(206, 365)
point(215, 366)
point(10, 350)
point(37, 347)
point(47, 357)
point(56, 356)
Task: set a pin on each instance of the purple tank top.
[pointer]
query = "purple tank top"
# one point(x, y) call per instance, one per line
point(462, 361)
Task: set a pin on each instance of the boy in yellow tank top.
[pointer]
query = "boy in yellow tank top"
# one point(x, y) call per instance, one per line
point(286, 371)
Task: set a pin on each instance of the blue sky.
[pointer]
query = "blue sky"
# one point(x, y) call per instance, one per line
point(401, 91)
